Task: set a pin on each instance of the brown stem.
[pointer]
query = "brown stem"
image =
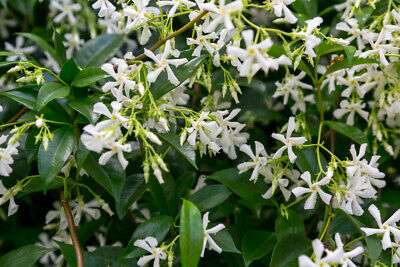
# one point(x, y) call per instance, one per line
point(18, 115)
point(74, 236)
point(172, 35)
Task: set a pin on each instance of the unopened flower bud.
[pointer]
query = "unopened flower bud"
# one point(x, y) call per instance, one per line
point(153, 138)
point(39, 123)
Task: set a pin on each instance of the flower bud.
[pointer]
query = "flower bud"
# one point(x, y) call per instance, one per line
point(39, 123)
point(153, 138)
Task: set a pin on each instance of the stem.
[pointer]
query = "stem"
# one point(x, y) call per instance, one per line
point(74, 236)
point(18, 115)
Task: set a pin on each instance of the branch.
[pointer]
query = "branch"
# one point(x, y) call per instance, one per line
point(172, 35)
point(18, 115)
point(74, 236)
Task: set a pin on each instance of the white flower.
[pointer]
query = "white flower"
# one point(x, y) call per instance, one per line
point(290, 87)
point(50, 258)
point(122, 85)
point(6, 156)
point(150, 244)
point(385, 228)
point(259, 160)
point(8, 195)
point(309, 39)
point(351, 108)
point(95, 138)
point(106, 8)
point(89, 209)
point(207, 237)
point(175, 4)
point(314, 189)
point(163, 63)
point(318, 247)
point(202, 41)
point(279, 5)
point(58, 213)
point(340, 256)
point(222, 13)
point(67, 7)
point(277, 181)
point(4, 23)
point(288, 141)
point(352, 28)
point(252, 57)
point(115, 117)
point(206, 130)
point(39, 122)
point(18, 49)
point(116, 148)
point(73, 43)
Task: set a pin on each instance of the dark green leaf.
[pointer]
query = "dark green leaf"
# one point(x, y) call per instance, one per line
point(307, 160)
point(60, 49)
point(99, 50)
point(89, 260)
point(210, 196)
point(191, 234)
point(6, 64)
point(133, 189)
point(182, 73)
point(23, 257)
point(157, 227)
point(111, 175)
point(224, 240)
point(293, 225)
point(25, 95)
point(339, 65)
point(7, 54)
point(327, 47)
point(350, 131)
point(240, 185)
point(306, 7)
point(69, 70)
point(186, 150)
point(256, 244)
point(349, 51)
point(85, 107)
point(41, 42)
point(109, 256)
point(50, 91)
point(288, 249)
point(51, 161)
point(88, 76)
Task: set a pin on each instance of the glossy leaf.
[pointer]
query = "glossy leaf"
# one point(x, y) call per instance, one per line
point(350, 131)
point(293, 225)
point(85, 107)
point(256, 244)
point(68, 252)
point(42, 43)
point(132, 190)
point(191, 234)
point(157, 227)
point(306, 7)
point(59, 48)
point(69, 70)
point(327, 47)
point(88, 76)
point(51, 161)
point(240, 185)
point(50, 91)
point(99, 50)
point(186, 150)
point(350, 51)
point(224, 240)
point(339, 65)
point(288, 249)
point(24, 257)
point(307, 160)
point(25, 95)
point(6, 64)
point(182, 73)
point(210, 196)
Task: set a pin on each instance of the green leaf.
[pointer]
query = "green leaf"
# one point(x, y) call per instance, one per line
point(50, 91)
point(7, 54)
point(352, 132)
point(60, 49)
point(350, 51)
point(99, 50)
point(327, 47)
point(191, 234)
point(42, 43)
point(109, 256)
point(68, 252)
point(256, 244)
point(69, 70)
point(307, 160)
point(224, 240)
point(88, 76)
point(240, 185)
point(111, 175)
point(306, 7)
point(25, 95)
point(293, 225)
point(133, 189)
point(6, 64)
point(288, 249)
point(85, 107)
point(210, 196)
point(186, 150)
point(182, 73)
point(339, 65)
point(51, 161)
point(373, 243)
point(24, 257)
point(157, 227)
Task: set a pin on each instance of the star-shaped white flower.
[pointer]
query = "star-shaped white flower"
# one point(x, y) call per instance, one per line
point(281, 5)
point(175, 4)
point(150, 244)
point(259, 160)
point(288, 141)
point(222, 13)
point(351, 109)
point(207, 237)
point(106, 8)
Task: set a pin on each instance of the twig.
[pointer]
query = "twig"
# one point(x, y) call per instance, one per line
point(18, 115)
point(162, 41)
point(74, 236)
